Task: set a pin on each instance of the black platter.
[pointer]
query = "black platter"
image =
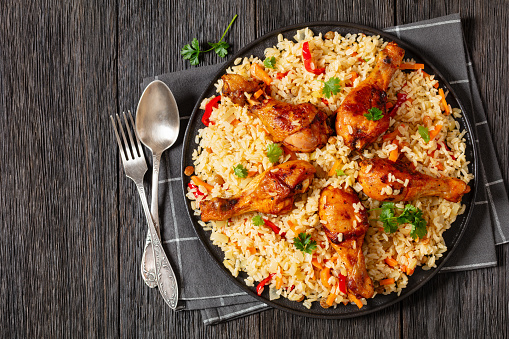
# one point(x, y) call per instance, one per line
point(452, 236)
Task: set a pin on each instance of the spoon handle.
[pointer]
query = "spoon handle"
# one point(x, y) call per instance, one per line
point(166, 280)
point(147, 260)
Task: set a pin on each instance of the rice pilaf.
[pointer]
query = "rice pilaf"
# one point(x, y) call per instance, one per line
point(236, 137)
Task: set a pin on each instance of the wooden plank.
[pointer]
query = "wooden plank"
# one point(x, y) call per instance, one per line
point(150, 39)
point(469, 304)
point(57, 196)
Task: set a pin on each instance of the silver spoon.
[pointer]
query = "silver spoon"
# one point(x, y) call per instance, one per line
point(157, 124)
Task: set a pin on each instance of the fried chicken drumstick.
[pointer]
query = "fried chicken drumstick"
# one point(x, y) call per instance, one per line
point(272, 192)
point(301, 128)
point(369, 94)
point(345, 227)
point(373, 178)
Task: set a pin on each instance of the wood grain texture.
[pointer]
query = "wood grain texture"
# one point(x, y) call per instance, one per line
point(472, 304)
point(72, 225)
point(59, 239)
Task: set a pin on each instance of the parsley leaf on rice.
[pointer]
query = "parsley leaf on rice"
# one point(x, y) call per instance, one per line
point(274, 152)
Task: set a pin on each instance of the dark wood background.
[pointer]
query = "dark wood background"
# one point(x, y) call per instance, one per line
point(72, 225)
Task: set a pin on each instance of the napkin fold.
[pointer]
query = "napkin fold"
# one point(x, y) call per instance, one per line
point(204, 287)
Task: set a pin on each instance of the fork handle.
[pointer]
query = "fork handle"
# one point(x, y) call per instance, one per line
point(166, 280)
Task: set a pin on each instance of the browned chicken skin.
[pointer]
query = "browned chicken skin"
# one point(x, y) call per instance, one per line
point(301, 128)
point(419, 185)
point(346, 233)
point(366, 95)
point(271, 192)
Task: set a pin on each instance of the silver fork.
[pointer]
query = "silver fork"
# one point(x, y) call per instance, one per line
point(135, 167)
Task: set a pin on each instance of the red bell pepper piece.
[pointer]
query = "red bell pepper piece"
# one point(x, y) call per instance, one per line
point(342, 283)
point(272, 226)
point(447, 149)
point(325, 102)
point(208, 110)
point(282, 75)
point(402, 97)
point(261, 285)
point(308, 60)
point(197, 193)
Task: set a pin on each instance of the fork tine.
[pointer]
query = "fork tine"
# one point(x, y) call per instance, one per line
point(140, 151)
point(127, 148)
point(122, 154)
point(132, 144)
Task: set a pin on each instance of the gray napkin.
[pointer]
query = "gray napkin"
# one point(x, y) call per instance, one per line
point(204, 287)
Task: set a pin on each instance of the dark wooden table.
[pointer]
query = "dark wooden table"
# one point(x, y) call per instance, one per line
point(72, 225)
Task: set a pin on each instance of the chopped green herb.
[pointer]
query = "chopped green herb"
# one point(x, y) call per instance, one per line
point(304, 243)
point(269, 62)
point(274, 152)
point(331, 87)
point(410, 215)
point(240, 171)
point(413, 215)
point(258, 220)
point(366, 60)
point(192, 51)
point(340, 172)
point(424, 132)
point(374, 114)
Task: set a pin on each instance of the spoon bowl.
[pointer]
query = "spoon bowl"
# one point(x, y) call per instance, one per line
point(157, 125)
point(157, 117)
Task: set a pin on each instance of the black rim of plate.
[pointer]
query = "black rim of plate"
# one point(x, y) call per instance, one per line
point(452, 236)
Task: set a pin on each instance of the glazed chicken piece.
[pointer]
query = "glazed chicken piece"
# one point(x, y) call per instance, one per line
point(346, 228)
point(374, 175)
point(272, 192)
point(301, 128)
point(366, 95)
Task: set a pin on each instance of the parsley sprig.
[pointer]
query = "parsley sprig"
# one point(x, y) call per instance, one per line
point(331, 87)
point(424, 132)
point(240, 171)
point(410, 215)
point(192, 51)
point(270, 62)
point(374, 114)
point(258, 220)
point(274, 152)
point(304, 243)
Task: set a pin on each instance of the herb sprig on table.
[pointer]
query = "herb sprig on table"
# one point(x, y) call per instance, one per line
point(410, 215)
point(192, 51)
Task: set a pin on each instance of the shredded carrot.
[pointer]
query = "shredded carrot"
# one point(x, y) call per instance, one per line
point(440, 166)
point(411, 66)
point(324, 277)
point(410, 271)
point(389, 105)
point(394, 154)
point(251, 250)
point(436, 84)
point(259, 73)
point(251, 174)
point(426, 120)
point(279, 282)
point(334, 168)
point(434, 133)
point(391, 262)
point(355, 300)
point(316, 263)
point(197, 181)
point(389, 281)
point(235, 122)
point(403, 268)
point(353, 76)
point(330, 299)
point(258, 93)
point(447, 111)
point(354, 54)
